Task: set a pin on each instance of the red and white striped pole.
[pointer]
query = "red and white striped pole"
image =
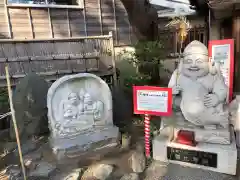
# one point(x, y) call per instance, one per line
point(147, 134)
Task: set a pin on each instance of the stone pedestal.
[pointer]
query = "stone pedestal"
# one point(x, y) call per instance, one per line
point(92, 140)
point(235, 117)
point(216, 136)
point(226, 154)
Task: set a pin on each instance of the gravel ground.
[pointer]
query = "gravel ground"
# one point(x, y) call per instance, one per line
point(160, 171)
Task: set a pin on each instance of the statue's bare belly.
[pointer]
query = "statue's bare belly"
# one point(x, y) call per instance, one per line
point(193, 107)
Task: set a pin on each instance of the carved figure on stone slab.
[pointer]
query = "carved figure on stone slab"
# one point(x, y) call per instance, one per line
point(80, 115)
point(73, 113)
point(78, 109)
point(93, 108)
point(70, 107)
point(202, 92)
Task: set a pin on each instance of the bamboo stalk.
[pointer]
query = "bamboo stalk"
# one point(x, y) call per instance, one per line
point(14, 122)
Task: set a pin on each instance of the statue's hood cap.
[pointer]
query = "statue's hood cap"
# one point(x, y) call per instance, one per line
point(195, 47)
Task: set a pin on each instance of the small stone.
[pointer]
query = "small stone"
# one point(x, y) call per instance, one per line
point(43, 169)
point(10, 146)
point(100, 171)
point(74, 175)
point(138, 160)
point(90, 178)
point(27, 147)
point(131, 176)
point(126, 141)
point(35, 156)
point(14, 172)
point(30, 159)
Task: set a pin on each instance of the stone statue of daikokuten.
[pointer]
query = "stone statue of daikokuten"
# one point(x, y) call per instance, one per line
point(201, 90)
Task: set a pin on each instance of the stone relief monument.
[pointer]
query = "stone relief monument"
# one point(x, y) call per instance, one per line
point(80, 114)
point(199, 95)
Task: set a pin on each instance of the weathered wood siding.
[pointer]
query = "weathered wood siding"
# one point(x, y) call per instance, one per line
point(53, 58)
point(4, 30)
point(97, 17)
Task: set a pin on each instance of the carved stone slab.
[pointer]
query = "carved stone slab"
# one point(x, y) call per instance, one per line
point(80, 112)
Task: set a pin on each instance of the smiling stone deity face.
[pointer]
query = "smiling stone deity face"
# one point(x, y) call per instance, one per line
point(195, 65)
point(195, 62)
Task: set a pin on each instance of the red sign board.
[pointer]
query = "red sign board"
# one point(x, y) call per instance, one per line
point(152, 100)
point(221, 53)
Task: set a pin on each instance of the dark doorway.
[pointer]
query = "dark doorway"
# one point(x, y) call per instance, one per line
point(226, 29)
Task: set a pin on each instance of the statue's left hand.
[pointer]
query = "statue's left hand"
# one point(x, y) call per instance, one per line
point(211, 100)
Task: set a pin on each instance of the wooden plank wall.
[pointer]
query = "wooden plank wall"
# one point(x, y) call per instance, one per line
point(123, 31)
point(4, 30)
point(98, 17)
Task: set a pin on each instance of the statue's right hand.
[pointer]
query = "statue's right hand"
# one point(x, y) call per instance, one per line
point(176, 89)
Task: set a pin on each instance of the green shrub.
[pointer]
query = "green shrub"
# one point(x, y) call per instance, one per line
point(147, 57)
point(4, 104)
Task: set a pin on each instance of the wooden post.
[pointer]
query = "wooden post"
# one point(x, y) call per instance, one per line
point(100, 16)
point(8, 19)
point(14, 122)
point(85, 18)
point(147, 135)
point(113, 59)
point(115, 21)
point(236, 36)
point(30, 22)
point(68, 22)
point(50, 23)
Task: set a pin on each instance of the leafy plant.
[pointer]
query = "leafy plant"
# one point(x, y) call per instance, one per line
point(136, 80)
point(147, 57)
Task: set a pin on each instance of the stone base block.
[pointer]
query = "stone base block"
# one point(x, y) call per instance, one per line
point(226, 154)
point(92, 140)
point(218, 136)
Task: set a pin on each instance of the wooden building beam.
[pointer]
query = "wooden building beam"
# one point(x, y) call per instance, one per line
point(236, 36)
